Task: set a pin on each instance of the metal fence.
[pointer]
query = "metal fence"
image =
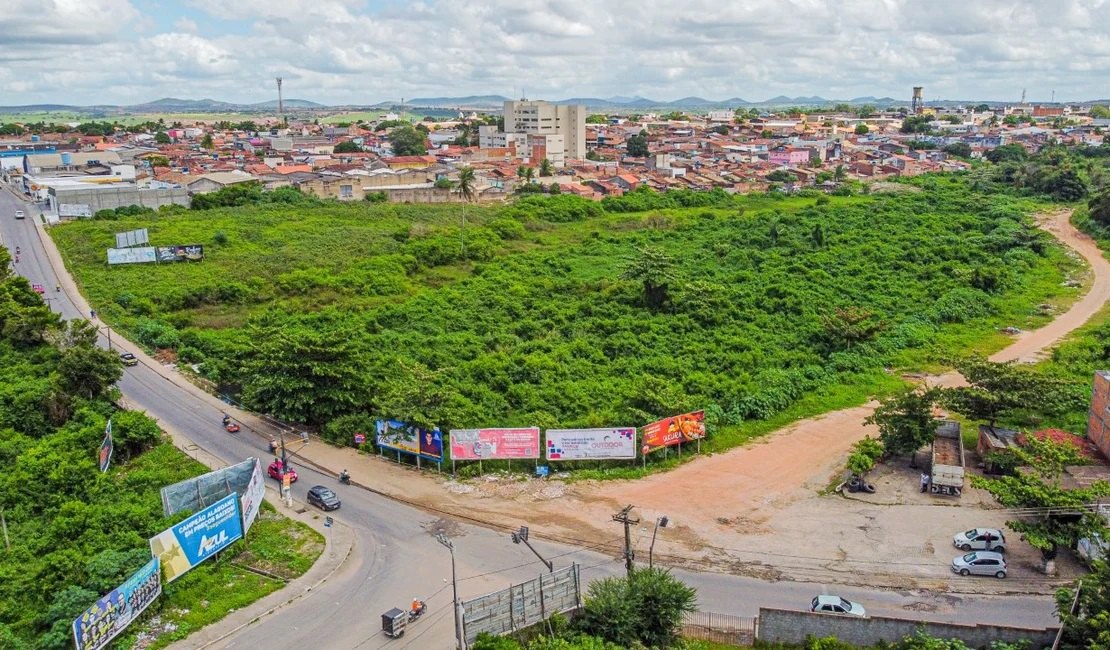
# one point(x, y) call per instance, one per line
point(523, 605)
point(720, 628)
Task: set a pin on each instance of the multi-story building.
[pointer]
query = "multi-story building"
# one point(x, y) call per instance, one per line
point(543, 118)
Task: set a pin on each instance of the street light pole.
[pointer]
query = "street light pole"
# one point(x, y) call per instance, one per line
point(460, 643)
point(659, 523)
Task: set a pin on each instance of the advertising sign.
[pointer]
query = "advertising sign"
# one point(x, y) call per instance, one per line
point(489, 444)
point(410, 439)
point(675, 430)
point(137, 255)
point(104, 457)
point(398, 435)
point(74, 210)
point(132, 238)
point(360, 438)
point(198, 538)
point(583, 444)
point(110, 615)
point(251, 500)
point(190, 253)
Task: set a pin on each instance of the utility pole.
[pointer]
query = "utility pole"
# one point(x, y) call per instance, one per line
point(624, 517)
point(659, 523)
point(460, 643)
point(4, 525)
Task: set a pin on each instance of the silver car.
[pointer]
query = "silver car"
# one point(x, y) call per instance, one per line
point(980, 539)
point(980, 563)
point(826, 604)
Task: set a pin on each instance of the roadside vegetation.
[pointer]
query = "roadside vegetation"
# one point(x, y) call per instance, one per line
point(555, 311)
point(74, 533)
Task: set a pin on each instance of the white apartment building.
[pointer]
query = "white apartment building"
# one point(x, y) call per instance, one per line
point(544, 118)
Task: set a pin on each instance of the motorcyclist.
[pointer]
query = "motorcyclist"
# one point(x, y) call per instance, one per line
point(417, 607)
point(273, 445)
point(344, 477)
point(17, 250)
point(227, 419)
point(57, 287)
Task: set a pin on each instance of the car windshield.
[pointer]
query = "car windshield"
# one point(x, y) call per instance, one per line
point(970, 557)
point(971, 533)
point(847, 605)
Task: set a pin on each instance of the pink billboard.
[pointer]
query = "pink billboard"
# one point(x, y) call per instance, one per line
point(491, 444)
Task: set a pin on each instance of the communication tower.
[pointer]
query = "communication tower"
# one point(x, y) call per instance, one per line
point(281, 106)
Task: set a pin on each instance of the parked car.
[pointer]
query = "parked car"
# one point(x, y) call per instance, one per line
point(128, 359)
point(322, 497)
point(980, 563)
point(274, 470)
point(19, 214)
point(980, 539)
point(827, 604)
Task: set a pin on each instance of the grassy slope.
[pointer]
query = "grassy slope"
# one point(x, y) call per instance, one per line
point(263, 244)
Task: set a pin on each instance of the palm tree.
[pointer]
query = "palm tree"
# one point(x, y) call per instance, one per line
point(465, 184)
point(529, 174)
point(839, 173)
point(545, 167)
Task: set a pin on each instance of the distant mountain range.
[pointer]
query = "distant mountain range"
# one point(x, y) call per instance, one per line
point(474, 102)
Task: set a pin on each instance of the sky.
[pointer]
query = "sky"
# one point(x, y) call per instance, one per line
point(88, 52)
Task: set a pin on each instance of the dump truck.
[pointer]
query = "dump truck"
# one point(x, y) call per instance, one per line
point(947, 476)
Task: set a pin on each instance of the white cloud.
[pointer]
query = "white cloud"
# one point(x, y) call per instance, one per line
point(89, 51)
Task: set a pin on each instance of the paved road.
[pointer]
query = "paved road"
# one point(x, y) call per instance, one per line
point(395, 556)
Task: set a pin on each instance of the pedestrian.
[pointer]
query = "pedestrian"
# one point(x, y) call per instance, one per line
point(924, 482)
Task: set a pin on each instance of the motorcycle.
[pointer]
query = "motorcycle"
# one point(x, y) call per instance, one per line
point(345, 478)
point(418, 611)
point(230, 426)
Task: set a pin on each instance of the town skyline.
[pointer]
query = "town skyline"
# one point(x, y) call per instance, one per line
point(363, 52)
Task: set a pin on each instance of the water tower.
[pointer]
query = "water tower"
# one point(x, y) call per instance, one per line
point(917, 104)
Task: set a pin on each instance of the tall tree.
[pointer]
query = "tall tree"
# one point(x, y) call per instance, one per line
point(1088, 626)
point(637, 145)
point(466, 182)
point(302, 368)
point(906, 422)
point(84, 369)
point(546, 168)
point(1009, 391)
point(206, 141)
point(407, 141)
point(654, 269)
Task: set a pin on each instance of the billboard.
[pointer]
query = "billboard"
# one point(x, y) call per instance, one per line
point(250, 501)
point(489, 444)
point(189, 253)
point(138, 255)
point(202, 491)
point(110, 615)
point(410, 439)
point(131, 238)
point(74, 210)
point(199, 537)
point(104, 457)
point(583, 444)
point(674, 430)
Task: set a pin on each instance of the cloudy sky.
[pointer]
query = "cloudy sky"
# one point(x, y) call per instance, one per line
point(366, 51)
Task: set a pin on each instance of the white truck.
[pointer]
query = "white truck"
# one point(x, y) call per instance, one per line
point(947, 476)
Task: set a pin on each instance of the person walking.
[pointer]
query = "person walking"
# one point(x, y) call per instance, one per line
point(924, 482)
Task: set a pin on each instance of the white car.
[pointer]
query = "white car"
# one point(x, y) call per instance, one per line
point(980, 563)
point(19, 214)
point(827, 604)
point(980, 539)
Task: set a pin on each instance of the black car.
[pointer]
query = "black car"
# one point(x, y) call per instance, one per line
point(323, 497)
point(128, 359)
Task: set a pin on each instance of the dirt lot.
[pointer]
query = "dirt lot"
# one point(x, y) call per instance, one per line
point(759, 510)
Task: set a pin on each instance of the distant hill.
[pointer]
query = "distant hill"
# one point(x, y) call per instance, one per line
point(288, 103)
point(470, 101)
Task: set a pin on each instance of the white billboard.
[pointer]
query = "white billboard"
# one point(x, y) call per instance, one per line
point(584, 444)
point(132, 238)
point(251, 500)
point(132, 255)
point(74, 210)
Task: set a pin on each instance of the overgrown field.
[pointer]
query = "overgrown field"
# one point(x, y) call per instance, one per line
point(73, 533)
point(561, 312)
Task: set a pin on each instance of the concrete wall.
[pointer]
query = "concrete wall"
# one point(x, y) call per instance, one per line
point(432, 195)
point(118, 197)
point(1098, 420)
point(793, 627)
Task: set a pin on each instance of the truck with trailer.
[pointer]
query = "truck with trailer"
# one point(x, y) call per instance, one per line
point(947, 474)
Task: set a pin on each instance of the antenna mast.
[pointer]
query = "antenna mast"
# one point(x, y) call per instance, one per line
point(281, 106)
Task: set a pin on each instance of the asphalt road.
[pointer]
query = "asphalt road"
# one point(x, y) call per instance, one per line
point(396, 556)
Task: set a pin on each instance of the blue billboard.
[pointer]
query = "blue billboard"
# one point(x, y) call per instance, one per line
point(410, 439)
point(110, 615)
point(198, 538)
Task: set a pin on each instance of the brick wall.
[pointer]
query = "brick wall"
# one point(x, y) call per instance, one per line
point(785, 626)
point(1098, 419)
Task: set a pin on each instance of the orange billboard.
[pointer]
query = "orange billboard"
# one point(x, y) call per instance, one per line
point(674, 430)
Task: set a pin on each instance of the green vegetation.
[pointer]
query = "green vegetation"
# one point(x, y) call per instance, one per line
point(75, 532)
point(534, 314)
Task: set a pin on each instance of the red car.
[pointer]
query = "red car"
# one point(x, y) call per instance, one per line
point(274, 470)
